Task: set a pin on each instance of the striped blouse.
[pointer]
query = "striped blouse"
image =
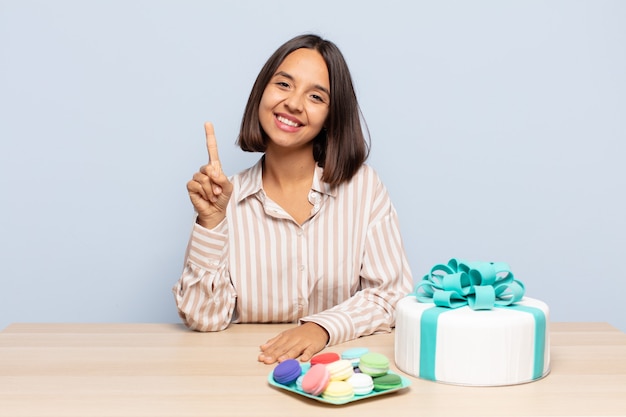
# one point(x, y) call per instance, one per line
point(344, 268)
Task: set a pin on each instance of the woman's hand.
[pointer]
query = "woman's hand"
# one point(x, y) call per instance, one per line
point(302, 341)
point(210, 190)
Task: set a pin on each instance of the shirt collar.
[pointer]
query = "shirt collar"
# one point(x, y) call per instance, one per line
point(321, 186)
point(252, 182)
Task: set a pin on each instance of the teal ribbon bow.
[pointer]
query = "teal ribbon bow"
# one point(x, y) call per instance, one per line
point(479, 285)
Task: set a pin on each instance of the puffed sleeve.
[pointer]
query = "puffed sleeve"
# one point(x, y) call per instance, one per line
point(204, 294)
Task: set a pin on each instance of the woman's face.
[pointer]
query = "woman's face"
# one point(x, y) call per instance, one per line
point(295, 102)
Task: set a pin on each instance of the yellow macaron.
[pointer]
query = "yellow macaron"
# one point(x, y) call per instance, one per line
point(340, 370)
point(338, 391)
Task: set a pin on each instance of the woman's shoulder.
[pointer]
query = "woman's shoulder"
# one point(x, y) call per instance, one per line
point(367, 169)
point(365, 181)
point(249, 180)
point(367, 186)
point(368, 173)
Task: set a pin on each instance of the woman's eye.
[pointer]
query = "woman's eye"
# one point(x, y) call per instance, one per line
point(317, 98)
point(282, 84)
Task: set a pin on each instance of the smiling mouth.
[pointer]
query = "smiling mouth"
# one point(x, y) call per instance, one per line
point(288, 122)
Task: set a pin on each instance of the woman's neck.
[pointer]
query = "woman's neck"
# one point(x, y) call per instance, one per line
point(287, 181)
point(288, 170)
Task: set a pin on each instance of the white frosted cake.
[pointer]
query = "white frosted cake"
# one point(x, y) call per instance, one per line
point(445, 332)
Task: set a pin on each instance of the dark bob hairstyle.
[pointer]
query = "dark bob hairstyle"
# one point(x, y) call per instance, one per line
point(341, 148)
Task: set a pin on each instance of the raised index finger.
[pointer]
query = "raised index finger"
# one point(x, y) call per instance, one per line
point(211, 144)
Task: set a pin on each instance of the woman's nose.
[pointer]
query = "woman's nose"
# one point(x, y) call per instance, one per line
point(295, 101)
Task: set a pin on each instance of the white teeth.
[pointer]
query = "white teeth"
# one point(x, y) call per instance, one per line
point(287, 121)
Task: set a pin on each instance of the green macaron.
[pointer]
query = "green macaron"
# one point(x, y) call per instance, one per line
point(374, 364)
point(385, 382)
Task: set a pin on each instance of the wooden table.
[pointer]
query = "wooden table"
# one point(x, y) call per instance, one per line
point(166, 370)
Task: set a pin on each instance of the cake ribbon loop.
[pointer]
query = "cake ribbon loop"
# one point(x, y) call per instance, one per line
point(479, 285)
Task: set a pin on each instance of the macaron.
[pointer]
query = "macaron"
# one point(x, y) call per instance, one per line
point(374, 364)
point(340, 370)
point(354, 354)
point(305, 366)
point(299, 383)
point(316, 379)
point(338, 392)
point(287, 371)
point(327, 357)
point(362, 384)
point(385, 382)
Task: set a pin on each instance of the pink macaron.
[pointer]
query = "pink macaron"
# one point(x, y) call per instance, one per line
point(316, 379)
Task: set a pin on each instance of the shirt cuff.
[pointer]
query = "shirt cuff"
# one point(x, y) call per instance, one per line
point(208, 247)
point(337, 324)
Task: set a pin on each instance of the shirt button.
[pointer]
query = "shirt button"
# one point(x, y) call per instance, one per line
point(299, 233)
point(301, 267)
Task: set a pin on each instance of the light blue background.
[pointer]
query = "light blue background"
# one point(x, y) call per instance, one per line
point(498, 127)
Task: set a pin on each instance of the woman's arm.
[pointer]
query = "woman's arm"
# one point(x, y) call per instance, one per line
point(384, 278)
point(204, 294)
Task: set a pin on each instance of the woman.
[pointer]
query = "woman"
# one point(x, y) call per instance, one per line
point(306, 235)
